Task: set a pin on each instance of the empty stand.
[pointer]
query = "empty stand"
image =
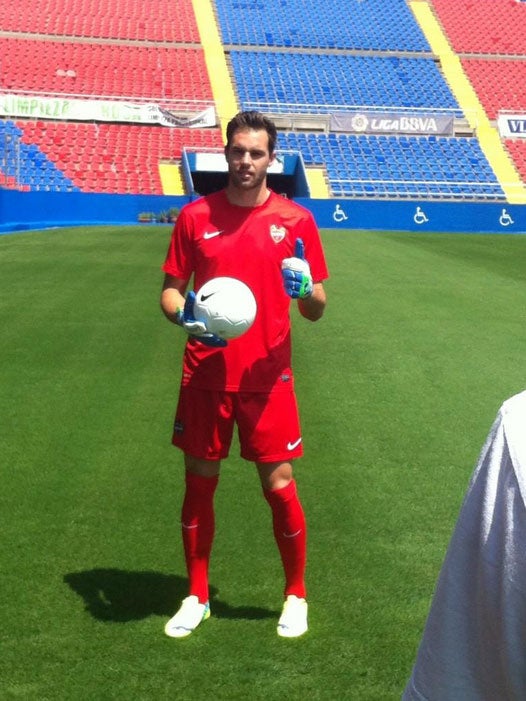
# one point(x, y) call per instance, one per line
point(330, 82)
point(500, 83)
point(483, 26)
point(517, 151)
point(24, 166)
point(164, 20)
point(103, 157)
point(350, 56)
point(494, 30)
point(110, 157)
point(307, 24)
point(399, 166)
point(104, 70)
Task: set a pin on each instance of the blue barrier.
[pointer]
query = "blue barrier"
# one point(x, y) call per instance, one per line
point(447, 217)
point(40, 210)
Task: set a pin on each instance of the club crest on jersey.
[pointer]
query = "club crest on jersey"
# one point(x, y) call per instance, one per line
point(277, 233)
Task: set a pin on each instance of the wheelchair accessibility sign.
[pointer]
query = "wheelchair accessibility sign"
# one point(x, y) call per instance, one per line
point(339, 214)
point(505, 219)
point(420, 216)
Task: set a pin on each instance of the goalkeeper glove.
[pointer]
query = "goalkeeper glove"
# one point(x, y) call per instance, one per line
point(296, 273)
point(195, 328)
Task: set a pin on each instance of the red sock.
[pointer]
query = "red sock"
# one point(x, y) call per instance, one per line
point(290, 533)
point(197, 525)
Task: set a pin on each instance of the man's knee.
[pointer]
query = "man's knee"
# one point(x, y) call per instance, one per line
point(202, 467)
point(274, 475)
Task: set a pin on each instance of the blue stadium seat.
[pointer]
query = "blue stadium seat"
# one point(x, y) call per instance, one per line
point(26, 163)
point(327, 83)
point(347, 24)
point(400, 166)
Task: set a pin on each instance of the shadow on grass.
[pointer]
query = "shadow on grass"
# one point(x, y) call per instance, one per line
point(120, 596)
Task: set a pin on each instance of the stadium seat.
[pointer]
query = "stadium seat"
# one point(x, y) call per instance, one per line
point(126, 156)
point(500, 83)
point(495, 27)
point(425, 166)
point(321, 82)
point(349, 57)
point(105, 70)
point(517, 151)
point(299, 24)
point(128, 19)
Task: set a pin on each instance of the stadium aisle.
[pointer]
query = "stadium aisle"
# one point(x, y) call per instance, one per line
point(171, 180)
point(222, 88)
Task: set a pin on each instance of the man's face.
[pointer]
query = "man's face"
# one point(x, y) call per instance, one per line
point(248, 159)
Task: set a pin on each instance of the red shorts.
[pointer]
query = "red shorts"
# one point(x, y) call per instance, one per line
point(268, 424)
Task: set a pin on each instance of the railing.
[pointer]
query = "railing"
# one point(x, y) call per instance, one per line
point(317, 117)
point(417, 189)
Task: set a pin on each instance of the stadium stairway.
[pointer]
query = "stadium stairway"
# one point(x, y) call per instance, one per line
point(222, 89)
point(488, 136)
point(171, 179)
point(317, 183)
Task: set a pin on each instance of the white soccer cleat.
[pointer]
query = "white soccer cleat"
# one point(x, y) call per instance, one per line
point(293, 620)
point(189, 616)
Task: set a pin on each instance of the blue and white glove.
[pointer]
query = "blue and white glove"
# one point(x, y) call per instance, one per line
point(194, 327)
point(296, 273)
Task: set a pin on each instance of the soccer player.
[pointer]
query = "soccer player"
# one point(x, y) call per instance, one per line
point(272, 244)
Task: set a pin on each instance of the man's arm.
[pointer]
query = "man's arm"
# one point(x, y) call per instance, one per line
point(312, 307)
point(172, 297)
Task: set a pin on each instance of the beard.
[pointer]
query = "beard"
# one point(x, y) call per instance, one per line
point(246, 179)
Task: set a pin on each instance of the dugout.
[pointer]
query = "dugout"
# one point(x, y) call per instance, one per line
point(205, 172)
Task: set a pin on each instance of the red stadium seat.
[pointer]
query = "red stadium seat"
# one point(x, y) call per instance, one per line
point(102, 156)
point(483, 26)
point(172, 21)
point(500, 83)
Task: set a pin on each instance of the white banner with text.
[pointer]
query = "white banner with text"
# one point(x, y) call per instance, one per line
point(33, 107)
point(512, 126)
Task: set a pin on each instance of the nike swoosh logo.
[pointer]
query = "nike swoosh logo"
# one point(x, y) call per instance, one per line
point(291, 446)
point(291, 535)
point(205, 297)
point(212, 234)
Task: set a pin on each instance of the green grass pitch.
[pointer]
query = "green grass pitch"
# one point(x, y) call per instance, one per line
point(423, 338)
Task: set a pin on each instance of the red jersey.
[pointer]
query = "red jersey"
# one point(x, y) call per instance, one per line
point(212, 238)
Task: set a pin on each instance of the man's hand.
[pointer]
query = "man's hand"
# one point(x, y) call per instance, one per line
point(196, 328)
point(296, 273)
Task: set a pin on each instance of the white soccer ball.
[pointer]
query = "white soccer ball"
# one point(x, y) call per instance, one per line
point(227, 306)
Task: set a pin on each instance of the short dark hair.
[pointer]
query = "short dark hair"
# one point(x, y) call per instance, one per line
point(252, 119)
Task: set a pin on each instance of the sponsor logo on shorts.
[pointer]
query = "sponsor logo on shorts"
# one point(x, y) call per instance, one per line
point(294, 445)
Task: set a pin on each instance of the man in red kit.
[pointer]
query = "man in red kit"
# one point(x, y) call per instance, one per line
point(272, 244)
